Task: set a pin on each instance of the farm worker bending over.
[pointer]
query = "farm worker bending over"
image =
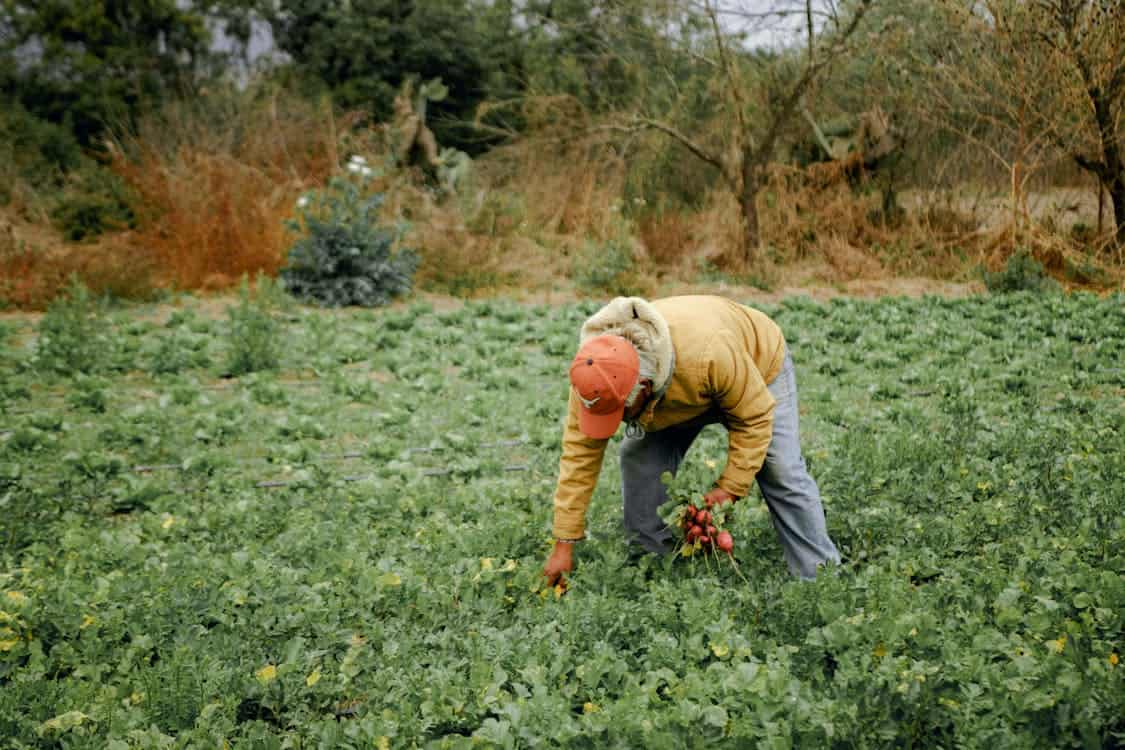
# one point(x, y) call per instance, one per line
point(668, 368)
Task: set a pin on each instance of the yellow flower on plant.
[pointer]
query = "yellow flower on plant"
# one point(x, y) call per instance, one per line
point(266, 674)
point(1113, 659)
point(390, 578)
point(1058, 644)
point(313, 678)
point(168, 521)
point(87, 621)
point(18, 597)
point(486, 563)
point(590, 708)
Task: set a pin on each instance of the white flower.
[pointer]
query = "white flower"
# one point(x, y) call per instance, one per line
point(367, 171)
point(302, 201)
point(355, 168)
point(357, 159)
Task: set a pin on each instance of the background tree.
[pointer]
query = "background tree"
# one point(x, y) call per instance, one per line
point(364, 50)
point(1084, 46)
point(89, 64)
point(758, 94)
point(1036, 82)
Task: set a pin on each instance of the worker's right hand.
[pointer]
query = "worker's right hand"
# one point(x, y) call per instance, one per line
point(718, 496)
point(559, 563)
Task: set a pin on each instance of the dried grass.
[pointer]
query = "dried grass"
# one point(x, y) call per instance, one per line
point(32, 275)
point(216, 178)
point(1068, 262)
point(846, 227)
point(528, 210)
point(568, 188)
point(216, 182)
point(668, 236)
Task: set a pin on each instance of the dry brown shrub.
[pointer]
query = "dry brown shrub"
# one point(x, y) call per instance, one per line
point(668, 236)
point(718, 229)
point(845, 226)
point(33, 274)
point(1064, 259)
point(945, 222)
point(567, 187)
point(850, 262)
point(528, 209)
point(216, 181)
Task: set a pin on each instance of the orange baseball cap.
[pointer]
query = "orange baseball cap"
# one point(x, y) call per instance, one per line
point(603, 373)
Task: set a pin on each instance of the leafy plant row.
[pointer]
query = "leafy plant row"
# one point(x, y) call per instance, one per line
point(969, 453)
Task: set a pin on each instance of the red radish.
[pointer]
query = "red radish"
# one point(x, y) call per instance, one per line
point(725, 542)
point(710, 531)
point(692, 510)
point(701, 518)
point(694, 533)
point(704, 540)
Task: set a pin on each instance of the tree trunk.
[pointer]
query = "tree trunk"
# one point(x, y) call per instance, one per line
point(750, 228)
point(1117, 198)
point(1113, 164)
point(748, 200)
point(1101, 205)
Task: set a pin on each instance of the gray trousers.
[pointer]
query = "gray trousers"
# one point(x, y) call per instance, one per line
point(789, 491)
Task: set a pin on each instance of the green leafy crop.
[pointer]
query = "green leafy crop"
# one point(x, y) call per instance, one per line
point(345, 551)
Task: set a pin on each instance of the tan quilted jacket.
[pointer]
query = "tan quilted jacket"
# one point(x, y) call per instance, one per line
point(725, 354)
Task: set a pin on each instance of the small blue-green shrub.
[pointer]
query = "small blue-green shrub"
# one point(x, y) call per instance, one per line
point(345, 257)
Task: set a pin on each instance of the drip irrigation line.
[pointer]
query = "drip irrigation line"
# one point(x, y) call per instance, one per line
point(149, 468)
point(60, 393)
point(427, 473)
point(500, 444)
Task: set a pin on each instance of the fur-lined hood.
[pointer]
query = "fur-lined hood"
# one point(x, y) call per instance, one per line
point(636, 320)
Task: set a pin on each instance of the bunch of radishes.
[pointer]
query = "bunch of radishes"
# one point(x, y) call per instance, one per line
point(703, 530)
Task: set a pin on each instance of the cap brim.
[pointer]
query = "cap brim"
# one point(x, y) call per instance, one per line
point(600, 426)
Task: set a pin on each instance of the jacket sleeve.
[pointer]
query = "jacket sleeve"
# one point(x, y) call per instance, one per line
point(579, 467)
point(737, 387)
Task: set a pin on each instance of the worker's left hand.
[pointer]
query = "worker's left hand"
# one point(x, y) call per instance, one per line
point(718, 496)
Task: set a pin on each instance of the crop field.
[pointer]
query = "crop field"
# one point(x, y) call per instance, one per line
point(345, 550)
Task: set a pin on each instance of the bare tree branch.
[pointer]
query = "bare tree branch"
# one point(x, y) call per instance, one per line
point(785, 111)
point(699, 151)
point(728, 68)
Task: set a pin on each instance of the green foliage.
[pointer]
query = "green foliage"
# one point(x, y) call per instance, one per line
point(179, 350)
point(363, 51)
point(345, 257)
point(1022, 272)
point(763, 277)
point(254, 340)
point(73, 334)
point(610, 56)
point(971, 479)
point(94, 201)
point(98, 63)
point(607, 267)
point(33, 151)
point(82, 196)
